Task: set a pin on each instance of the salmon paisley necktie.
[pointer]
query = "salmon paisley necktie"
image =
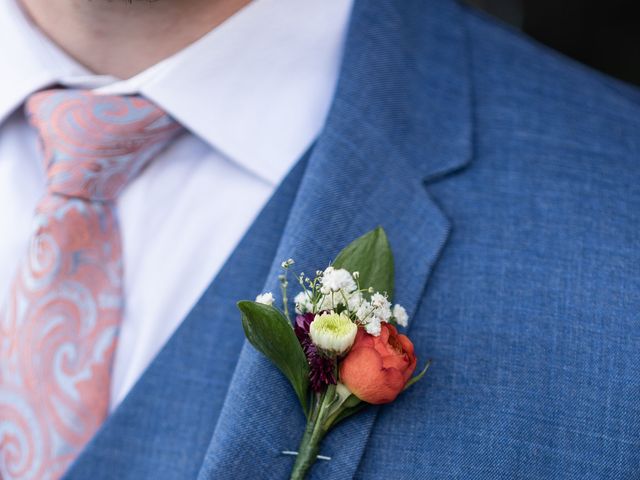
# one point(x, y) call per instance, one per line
point(59, 326)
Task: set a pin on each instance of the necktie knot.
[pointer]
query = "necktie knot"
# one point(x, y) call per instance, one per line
point(95, 144)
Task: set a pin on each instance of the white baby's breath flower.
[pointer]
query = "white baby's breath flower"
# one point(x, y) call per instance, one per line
point(373, 326)
point(265, 298)
point(333, 333)
point(303, 303)
point(336, 279)
point(372, 313)
point(364, 312)
point(354, 301)
point(287, 263)
point(400, 314)
point(330, 301)
point(382, 307)
point(379, 300)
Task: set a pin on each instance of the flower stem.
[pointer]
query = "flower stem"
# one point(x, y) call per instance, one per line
point(313, 435)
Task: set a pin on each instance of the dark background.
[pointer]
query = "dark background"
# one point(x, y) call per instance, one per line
point(602, 34)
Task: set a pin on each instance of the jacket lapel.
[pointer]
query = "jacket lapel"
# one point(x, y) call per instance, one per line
point(401, 116)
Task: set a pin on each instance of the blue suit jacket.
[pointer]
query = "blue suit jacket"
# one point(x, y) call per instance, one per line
point(507, 180)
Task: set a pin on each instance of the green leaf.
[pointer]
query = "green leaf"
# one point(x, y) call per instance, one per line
point(347, 412)
point(351, 405)
point(417, 377)
point(270, 333)
point(351, 401)
point(371, 256)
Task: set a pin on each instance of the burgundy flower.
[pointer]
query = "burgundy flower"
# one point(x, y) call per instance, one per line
point(321, 368)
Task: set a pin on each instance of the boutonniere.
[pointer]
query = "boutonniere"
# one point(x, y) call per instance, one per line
point(342, 350)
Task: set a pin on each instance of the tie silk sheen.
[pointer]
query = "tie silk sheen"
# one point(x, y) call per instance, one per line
point(59, 328)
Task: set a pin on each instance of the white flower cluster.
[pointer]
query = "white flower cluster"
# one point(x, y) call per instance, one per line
point(265, 298)
point(400, 314)
point(334, 280)
point(338, 289)
point(303, 302)
point(372, 313)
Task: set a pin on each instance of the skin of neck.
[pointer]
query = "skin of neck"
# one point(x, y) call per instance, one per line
point(121, 37)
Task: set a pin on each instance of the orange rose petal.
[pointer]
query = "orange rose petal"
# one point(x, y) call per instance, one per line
point(401, 362)
point(362, 373)
point(363, 339)
point(393, 384)
point(383, 338)
point(365, 376)
point(377, 368)
point(407, 345)
point(360, 369)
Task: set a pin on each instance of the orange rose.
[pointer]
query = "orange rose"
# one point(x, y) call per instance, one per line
point(376, 369)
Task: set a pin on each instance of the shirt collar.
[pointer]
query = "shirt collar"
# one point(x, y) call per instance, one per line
point(256, 88)
point(29, 62)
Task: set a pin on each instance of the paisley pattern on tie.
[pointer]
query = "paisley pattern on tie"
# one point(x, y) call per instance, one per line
point(59, 327)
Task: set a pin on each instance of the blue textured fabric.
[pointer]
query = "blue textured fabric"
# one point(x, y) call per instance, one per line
point(507, 179)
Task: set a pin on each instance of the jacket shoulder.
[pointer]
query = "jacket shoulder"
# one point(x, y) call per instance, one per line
point(548, 96)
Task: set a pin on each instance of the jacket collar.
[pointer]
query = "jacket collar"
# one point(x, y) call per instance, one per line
point(401, 116)
point(405, 85)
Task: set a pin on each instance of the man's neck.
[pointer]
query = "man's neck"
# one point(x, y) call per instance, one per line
point(121, 37)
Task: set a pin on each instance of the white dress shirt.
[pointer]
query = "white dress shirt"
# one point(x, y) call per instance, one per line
point(253, 95)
